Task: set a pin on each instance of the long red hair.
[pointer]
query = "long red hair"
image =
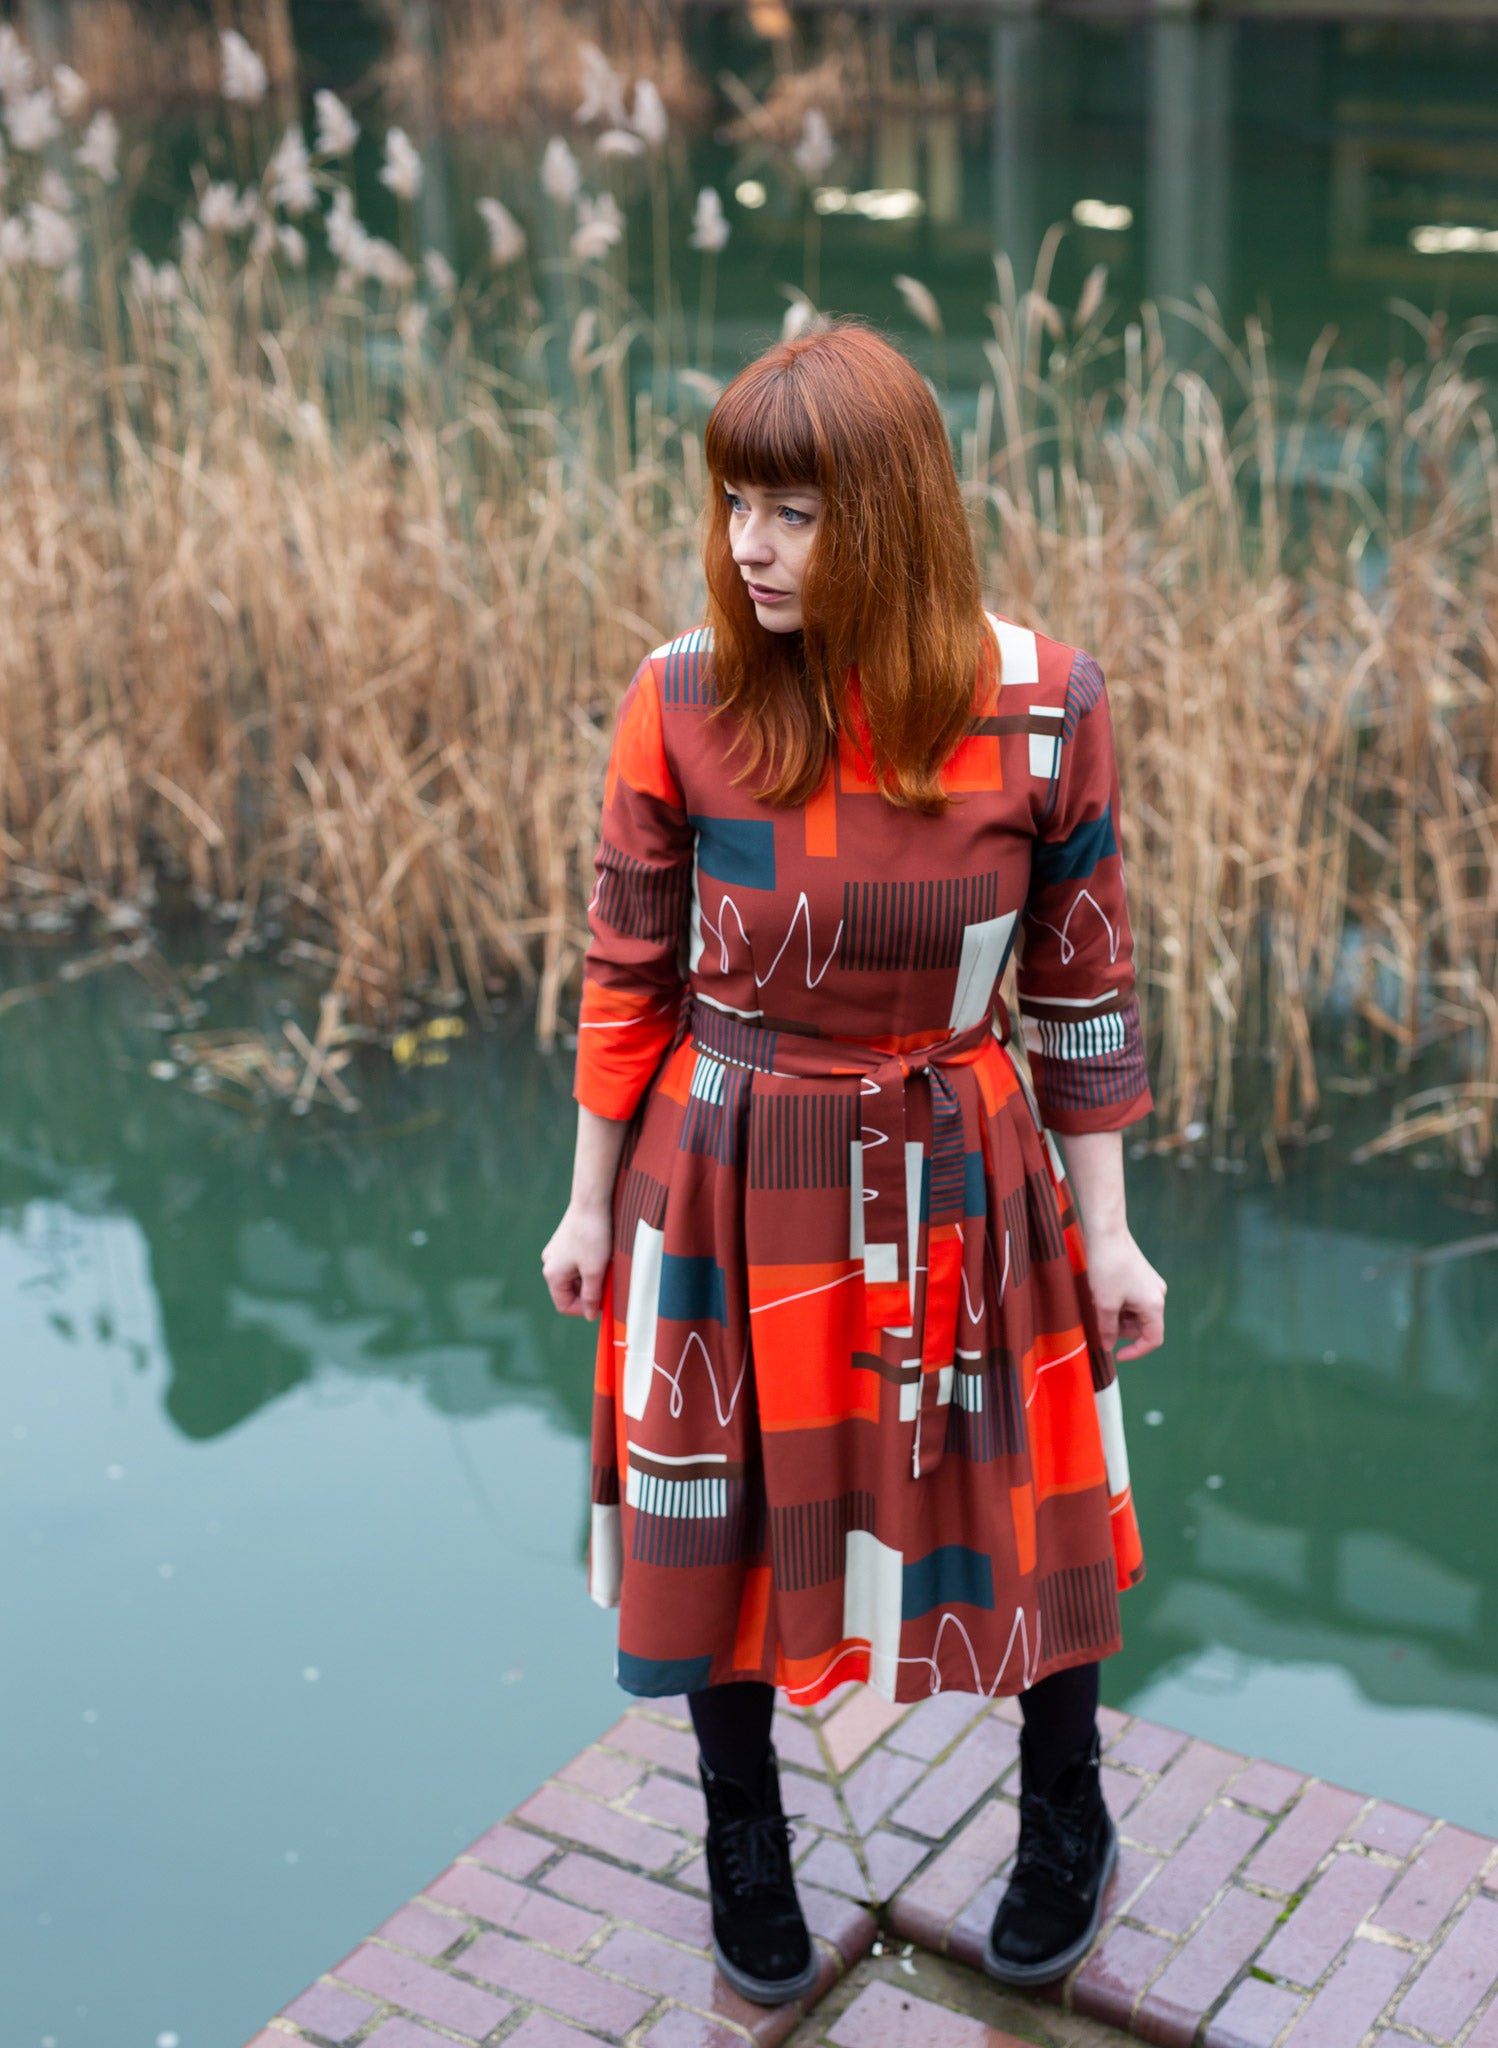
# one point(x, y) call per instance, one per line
point(891, 585)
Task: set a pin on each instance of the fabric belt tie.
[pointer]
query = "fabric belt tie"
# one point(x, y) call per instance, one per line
point(899, 1191)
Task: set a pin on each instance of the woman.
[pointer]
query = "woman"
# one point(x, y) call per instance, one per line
point(856, 1412)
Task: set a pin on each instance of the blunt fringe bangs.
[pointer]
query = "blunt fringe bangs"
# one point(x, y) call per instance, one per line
point(891, 588)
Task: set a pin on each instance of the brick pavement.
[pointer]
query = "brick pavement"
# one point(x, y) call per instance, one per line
point(1252, 1908)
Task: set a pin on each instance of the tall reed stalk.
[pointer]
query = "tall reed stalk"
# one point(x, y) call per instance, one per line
point(314, 598)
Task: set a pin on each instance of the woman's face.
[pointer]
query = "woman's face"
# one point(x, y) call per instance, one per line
point(771, 534)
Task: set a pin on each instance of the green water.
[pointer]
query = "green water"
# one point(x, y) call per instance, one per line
point(294, 1453)
point(294, 1464)
point(1282, 165)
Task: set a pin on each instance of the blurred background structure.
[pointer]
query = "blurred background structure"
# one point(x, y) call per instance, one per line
point(356, 357)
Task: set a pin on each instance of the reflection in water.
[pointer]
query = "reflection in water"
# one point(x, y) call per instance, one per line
point(309, 1369)
point(403, 1246)
point(1327, 1404)
point(1316, 1490)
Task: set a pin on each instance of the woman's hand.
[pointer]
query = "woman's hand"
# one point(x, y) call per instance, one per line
point(1128, 1292)
point(575, 1262)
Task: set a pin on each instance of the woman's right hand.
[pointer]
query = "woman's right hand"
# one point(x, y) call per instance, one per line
point(575, 1263)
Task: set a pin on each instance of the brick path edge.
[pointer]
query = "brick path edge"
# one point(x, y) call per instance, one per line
point(1251, 1907)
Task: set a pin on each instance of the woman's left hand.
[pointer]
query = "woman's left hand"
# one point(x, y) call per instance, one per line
point(1128, 1292)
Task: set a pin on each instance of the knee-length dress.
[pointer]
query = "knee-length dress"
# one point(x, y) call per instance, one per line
point(852, 1416)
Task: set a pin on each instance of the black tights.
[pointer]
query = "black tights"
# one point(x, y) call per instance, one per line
point(733, 1723)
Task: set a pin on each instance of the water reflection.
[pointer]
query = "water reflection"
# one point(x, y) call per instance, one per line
point(403, 1246)
point(1317, 1486)
point(1322, 1433)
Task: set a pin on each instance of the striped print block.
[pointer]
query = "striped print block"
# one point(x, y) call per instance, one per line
point(714, 1118)
point(686, 678)
point(1079, 1608)
point(809, 1542)
point(802, 1141)
point(640, 901)
point(912, 925)
point(1086, 1038)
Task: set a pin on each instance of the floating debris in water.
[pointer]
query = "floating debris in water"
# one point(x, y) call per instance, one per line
point(1154, 1417)
point(163, 1070)
point(418, 1237)
point(241, 1067)
point(1214, 1480)
point(424, 1046)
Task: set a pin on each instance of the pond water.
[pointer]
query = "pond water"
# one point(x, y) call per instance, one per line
point(293, 1459)
point(1296, 169)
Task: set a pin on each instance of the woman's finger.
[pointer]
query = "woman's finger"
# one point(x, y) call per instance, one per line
point(1150, 1323)
point(590, 1293)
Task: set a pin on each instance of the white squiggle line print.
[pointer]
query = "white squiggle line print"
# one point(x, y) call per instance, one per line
point(673, 1380)
point(758, 1308)
point(1029, 1659)
point(801, 911)
point(1030, 1397)
point(624, 1023)
point(974, 1315)
point(1068, 947)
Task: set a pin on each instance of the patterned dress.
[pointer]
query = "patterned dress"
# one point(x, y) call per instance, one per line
point(852, 1416)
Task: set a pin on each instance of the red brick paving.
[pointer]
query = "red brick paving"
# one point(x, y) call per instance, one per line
point(1251, 1908)
point(1253, 2017)
point(1309, 1942)
point(1455, 1980)
point(1314, 1825)
point(1172, 1901)
point(1433, 1883)
point(882, 2017)
point(330, 2012)
point(1351, 1999)
point(1201, 1972)
point(427, 1993)
point(529, 1973)
point(419, 1929)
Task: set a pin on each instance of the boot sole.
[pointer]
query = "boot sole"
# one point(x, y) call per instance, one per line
point(1057, 1965)
point(767, 1990)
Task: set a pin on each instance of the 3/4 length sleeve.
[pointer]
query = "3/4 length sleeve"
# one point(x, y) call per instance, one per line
point(632, 978)
point(1078, 1010)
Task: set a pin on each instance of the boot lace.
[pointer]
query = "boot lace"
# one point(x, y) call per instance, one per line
point(1053, 1840)
point(757, 1851)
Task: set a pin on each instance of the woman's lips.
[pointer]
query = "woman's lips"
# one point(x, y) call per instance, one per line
point(761, 595)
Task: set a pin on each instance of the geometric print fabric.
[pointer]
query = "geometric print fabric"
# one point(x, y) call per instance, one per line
point(852, 1419)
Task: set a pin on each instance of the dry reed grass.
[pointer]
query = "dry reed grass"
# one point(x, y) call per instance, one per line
point(1294, 591)
point(304, 599)
point(493, 66)
point(131, 55)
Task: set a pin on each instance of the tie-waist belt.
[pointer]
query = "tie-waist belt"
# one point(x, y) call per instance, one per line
point(899, 1193)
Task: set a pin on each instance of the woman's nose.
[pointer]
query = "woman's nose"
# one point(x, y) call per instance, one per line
point(752, 542)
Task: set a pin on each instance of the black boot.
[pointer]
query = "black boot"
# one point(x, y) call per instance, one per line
point(1068, 1845)
point(760, 1938)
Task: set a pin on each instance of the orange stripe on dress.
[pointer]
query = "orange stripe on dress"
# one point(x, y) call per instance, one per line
point(1022, 1507)
point(754, 1613)
point(809, 1679)
point(821, 819)
point(639, 749)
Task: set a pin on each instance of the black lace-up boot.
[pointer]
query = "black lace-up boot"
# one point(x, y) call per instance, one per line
point(760, 1938)
point(1048, 1917)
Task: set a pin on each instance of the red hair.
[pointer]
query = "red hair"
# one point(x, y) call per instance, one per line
point(891, 585)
